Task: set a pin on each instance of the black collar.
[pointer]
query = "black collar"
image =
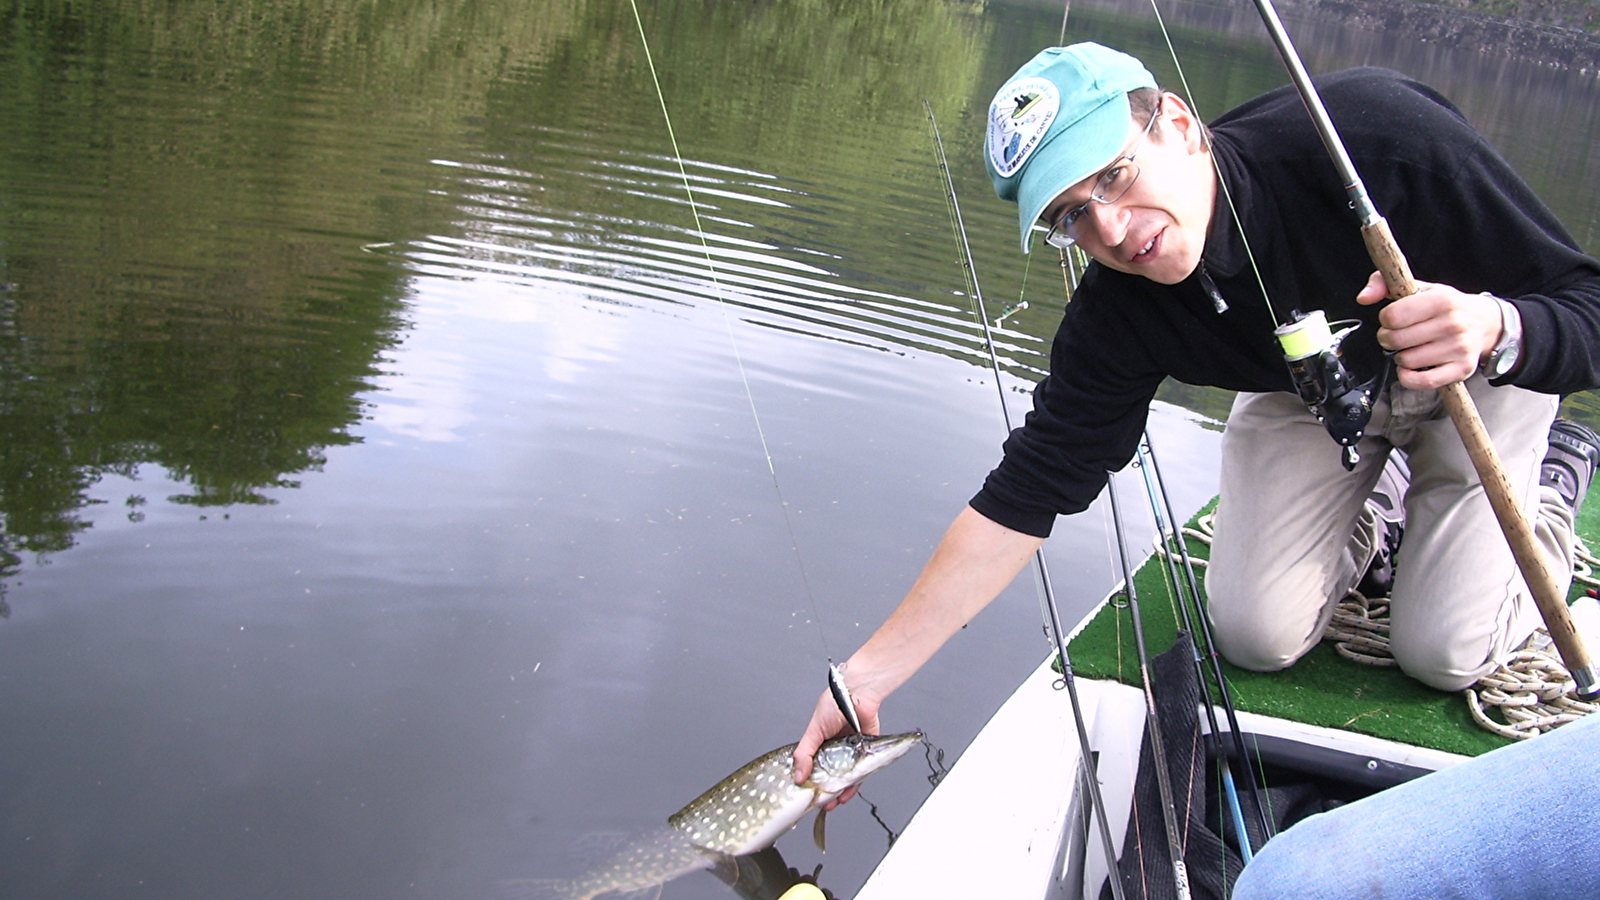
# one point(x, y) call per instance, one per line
point(1224, 255)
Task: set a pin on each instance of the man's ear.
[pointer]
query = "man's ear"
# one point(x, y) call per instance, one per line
point(1183, 122)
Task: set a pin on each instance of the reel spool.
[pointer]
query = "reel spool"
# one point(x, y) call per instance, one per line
point(1311, 348)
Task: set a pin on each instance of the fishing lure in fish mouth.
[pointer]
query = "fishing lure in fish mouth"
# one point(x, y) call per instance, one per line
point(841, 696)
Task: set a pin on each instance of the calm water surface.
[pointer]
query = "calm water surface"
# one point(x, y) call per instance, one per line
point(384, 509)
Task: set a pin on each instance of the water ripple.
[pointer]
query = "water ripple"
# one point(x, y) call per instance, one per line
point(510, 231)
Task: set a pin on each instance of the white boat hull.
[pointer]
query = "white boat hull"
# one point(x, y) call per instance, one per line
point(1007, 820)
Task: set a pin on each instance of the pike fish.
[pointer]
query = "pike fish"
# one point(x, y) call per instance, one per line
point(746, 812)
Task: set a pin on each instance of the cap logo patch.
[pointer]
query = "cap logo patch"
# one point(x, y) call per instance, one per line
point(1018, 119)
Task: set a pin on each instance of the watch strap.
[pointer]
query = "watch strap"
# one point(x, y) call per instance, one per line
point(1503, 358)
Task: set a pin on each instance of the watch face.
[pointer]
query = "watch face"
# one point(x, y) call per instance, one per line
point(1506, 361)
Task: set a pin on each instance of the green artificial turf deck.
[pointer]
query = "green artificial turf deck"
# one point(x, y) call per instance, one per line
point(1323, 688)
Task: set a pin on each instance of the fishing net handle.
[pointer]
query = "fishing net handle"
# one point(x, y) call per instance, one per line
point(1548, 592)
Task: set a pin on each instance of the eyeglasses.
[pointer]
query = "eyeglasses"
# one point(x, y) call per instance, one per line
point(1108, 188)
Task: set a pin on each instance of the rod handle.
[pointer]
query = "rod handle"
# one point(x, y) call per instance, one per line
point(1531, 560)
point(1386, 255)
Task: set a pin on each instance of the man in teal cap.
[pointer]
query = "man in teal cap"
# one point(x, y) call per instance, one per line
point(1203, 241)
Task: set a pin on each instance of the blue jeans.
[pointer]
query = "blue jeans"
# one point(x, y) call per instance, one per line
point(1519, 822)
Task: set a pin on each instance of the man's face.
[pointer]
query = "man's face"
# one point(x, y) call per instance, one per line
point(1158, 228)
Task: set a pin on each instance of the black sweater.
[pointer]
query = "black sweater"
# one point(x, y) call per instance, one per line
point(1459, 212)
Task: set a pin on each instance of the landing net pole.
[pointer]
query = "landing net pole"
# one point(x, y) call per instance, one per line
point(1386, 254)
point(1169, 814)
point(1171, 551)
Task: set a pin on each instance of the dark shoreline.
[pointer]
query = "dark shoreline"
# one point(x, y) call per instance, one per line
point(1541, 42)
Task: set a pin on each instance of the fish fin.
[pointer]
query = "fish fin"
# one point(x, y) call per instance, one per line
point(635, 870)
point(819, 830)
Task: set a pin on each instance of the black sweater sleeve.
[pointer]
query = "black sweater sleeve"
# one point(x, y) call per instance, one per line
point(1465, 218)
point(1507, 242)
point(1087, 416)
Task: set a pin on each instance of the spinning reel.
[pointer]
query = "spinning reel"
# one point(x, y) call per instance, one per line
point(1312, 349)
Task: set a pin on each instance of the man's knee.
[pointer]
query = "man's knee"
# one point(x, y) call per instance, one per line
point(1250, 634)
point(1257, 652)
point(1442, 664)
point(1448, 640)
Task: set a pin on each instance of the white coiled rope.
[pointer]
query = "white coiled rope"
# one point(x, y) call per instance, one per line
point(1583, 565)
point(1359, 629)
point(1201, 531)
point(1532, 691)
point(1528, 694)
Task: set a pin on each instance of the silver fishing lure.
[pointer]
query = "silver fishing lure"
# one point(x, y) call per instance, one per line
point(841, 696)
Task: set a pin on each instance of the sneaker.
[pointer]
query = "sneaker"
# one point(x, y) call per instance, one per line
point(1570, 463)
point(1386, 504)
point(1379, 579)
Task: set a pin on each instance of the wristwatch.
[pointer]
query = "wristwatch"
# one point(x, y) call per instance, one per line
point(1503, 358)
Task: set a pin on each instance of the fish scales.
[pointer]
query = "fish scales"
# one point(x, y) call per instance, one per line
point(749, 809)
point(744, 813)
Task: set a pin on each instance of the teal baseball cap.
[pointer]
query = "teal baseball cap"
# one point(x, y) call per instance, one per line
point(1062, 117)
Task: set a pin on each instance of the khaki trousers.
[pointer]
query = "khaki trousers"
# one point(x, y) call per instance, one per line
point(1293, 533)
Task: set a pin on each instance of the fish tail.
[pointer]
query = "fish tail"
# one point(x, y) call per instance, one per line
point(543, 889)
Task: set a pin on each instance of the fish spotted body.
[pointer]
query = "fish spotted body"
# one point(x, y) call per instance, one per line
point(753, 807)
point(744, 813)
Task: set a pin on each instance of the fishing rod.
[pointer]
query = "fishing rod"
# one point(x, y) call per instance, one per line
point(1070, 267)
point(1169, 814)
point(1072, 262)
point(1170, 555)
point(1070, 276)
point(1085, 750)
point(1167, 524)
point(1387, 256)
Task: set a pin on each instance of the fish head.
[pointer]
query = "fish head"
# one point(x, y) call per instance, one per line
point(845, 761)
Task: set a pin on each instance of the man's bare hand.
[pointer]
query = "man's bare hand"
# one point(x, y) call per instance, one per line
point(976, 559)
point(1439, 335)
point(827, 721)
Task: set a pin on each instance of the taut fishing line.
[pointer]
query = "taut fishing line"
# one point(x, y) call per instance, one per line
point(1255, 270)
point(722, 304)
point(1310, 347)
point(1222, 183)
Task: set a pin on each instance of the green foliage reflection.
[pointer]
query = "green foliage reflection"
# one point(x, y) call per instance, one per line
point(185, 189)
